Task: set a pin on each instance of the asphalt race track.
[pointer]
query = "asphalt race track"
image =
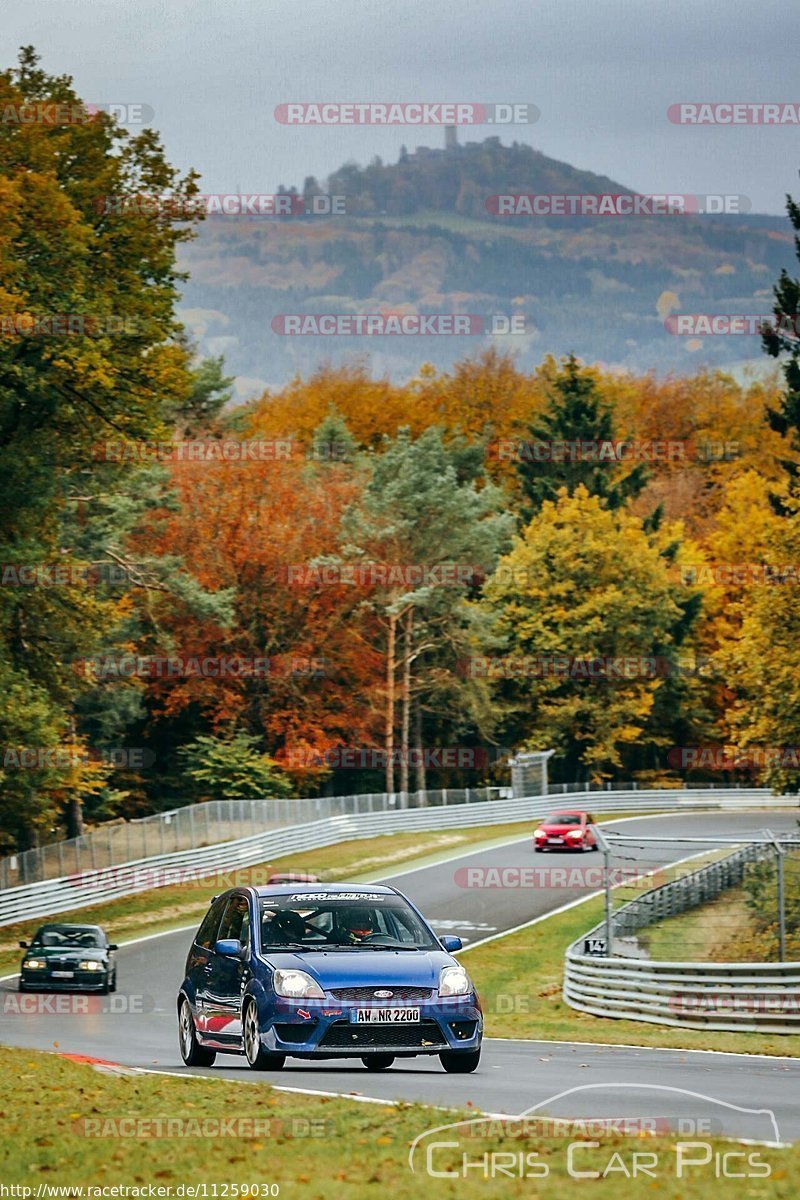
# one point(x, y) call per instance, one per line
point(137, 1026)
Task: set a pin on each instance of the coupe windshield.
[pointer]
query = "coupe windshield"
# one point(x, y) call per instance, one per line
point(69, 935)
point(564, 819)
point(324, 922)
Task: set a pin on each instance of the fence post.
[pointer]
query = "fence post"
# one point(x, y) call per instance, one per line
point(606, 848)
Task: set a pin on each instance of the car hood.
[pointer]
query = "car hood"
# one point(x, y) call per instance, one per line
point(67, 953)
point(560, 830)
point(362, 968)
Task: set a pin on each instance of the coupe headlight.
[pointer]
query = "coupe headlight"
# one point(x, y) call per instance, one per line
point(454, 981)
point(296, 985)
point(575, 833)
point(90, 964)
point(34, 964)
point(540, 833)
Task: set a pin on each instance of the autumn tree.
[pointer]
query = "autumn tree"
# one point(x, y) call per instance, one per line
point(425, 510)
point(586, 585)
point(576, 413)
point(89, 351)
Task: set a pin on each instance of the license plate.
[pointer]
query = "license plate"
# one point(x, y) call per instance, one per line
point(63, 974)
point(557, 841)
point(384, 1016)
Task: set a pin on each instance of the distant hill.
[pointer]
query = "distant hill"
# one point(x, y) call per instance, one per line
point(418, 236)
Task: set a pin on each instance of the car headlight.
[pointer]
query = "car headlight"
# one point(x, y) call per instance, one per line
point(540, 833)
point(575, 833)
point(90, 964)
point(296, 985)
point(454, 981)
point(34, 964)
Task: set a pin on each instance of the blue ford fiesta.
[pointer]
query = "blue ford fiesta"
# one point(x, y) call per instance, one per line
point(321, 971)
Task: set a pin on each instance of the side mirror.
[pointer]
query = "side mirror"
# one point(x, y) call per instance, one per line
point(228, 947)
point(451, 944)
point(23, 945)
point(113, 946)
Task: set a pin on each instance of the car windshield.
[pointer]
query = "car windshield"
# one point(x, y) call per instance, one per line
point(564, 819)
point(69, 935)
point(351, 921)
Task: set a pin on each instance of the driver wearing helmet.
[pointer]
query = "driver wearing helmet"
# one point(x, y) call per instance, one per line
point(357, 925)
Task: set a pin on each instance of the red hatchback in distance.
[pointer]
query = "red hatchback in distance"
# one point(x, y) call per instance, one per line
point(566, 831)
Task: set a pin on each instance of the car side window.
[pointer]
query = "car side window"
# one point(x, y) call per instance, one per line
point(236, 921)
point(207, 933)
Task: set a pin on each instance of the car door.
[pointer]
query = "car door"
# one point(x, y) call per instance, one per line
point(199, 962)
point(227, 979)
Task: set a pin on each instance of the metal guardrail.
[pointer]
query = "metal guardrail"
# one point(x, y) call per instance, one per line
point(92, 886)
point(693, 995)
point(196, 825)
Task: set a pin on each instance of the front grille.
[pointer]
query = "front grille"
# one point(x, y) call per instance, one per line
point(343, 1036)
point(368, 993)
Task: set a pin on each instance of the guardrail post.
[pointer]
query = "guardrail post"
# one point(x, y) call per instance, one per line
point(779, 853)
point(606, 849)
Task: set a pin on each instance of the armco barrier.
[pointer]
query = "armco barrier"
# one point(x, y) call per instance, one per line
point(693, 995)
point(52, 896)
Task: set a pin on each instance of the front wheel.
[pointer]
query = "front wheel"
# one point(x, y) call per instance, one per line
point(192, 1053)
point(258, 1059)
point(377, 1062)
point(460, 1062)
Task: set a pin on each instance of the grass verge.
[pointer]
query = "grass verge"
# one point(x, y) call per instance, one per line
point(62, 1123)
point(519, 978)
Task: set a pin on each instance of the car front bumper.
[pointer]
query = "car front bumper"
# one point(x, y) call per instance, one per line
point(327, 1029)
point(82, 981)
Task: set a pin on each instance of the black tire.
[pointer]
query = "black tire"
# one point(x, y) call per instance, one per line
point(258, 1059)
point(21, 986)
point(192, 1053)
point(538, 849)
point(377, 1062)
point(460, 1062)
point(112, 987)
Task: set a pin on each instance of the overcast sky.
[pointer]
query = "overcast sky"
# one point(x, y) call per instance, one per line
point(602, 73)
